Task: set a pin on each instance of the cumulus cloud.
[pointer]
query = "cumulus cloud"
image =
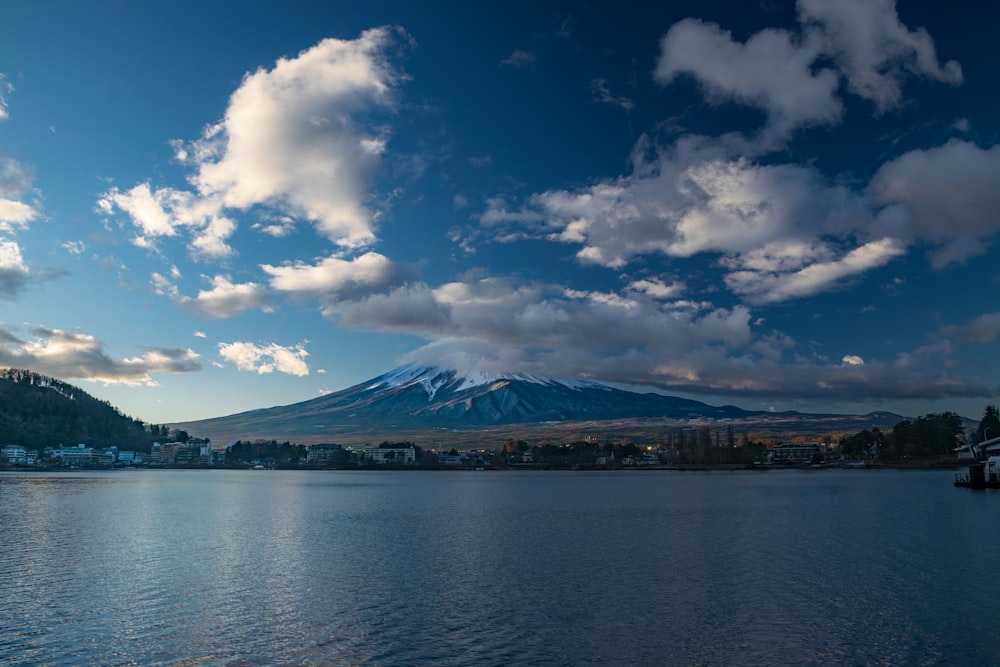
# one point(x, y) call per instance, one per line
point(335, 276)
point(69, 355)
point(561, 325)
point(161, 213)
point(656, 288)
point(873, 49)
point(13, 270)
point(224, 299)
point(293, 138)
point(15, 189)
point(949, 195)
point(268, 358)
point(787, 74)
point(633, 337)
point(778, 223)
point(773, 71)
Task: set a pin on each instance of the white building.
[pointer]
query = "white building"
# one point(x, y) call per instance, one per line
point(81, 455)
point(14, 454)
point(394, 455)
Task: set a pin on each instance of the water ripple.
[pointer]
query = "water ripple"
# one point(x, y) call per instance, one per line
point(227, 568)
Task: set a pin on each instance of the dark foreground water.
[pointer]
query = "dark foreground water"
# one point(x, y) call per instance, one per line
point(486, 568)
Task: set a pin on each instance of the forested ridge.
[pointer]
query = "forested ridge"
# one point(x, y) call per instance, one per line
point(37, 411)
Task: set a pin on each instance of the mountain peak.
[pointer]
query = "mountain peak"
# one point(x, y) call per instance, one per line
point(433, 378)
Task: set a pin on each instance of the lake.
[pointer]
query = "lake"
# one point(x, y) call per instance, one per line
point(227, 567)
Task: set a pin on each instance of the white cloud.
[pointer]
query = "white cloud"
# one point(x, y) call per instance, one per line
point(774, 274)
point(602, 93)
point(874, 49)
point(290, 136)
point(334, 276)
point(949, 194)
point(15, 188)
point(10, 257)
point(161, 285)
point(785, 74)
point(225, 298)
point(162, 212)
point(5, 89)
point(519, 58)
point(266, 358)
point(68, 355)
point(658, 289)
point(293, 138)
point(13, 270)
point(278, 227)
point(773, 71)
point(74, 247)
point(411, 308)
point(852, 360)
point(15, 213)
point(633, 337)
point(694, 199)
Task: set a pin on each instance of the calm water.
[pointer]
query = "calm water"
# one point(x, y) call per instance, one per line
point(484, 568)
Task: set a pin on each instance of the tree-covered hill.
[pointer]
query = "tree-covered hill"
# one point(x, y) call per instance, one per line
point(38, 411)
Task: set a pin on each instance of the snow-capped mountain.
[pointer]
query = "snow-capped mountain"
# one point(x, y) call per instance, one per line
point(428, 403)
point(433, 396)
point(427, 397)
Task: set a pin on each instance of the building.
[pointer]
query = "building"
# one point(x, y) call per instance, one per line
point(129, 457)
point(394, 455)
point(196, 451)
point(794, 453)
point(14, 455)
point(79, 456)
point(324, 453)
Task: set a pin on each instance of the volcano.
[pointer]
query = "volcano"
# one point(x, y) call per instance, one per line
point(412, 401)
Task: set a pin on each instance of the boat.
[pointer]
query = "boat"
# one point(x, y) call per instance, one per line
point(982, 475)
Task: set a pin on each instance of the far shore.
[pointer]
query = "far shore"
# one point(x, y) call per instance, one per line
point(919, 464)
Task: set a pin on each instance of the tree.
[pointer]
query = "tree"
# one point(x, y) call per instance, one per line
point(989, 425)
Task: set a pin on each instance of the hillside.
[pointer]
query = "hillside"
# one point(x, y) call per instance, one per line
point(38, 411)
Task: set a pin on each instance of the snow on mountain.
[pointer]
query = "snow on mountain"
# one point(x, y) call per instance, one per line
point(433, 378)
point(415, 399)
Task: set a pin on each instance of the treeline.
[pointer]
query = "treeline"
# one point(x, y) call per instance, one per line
point(703, 446)
point(283, 453)
point(38, 411)
point(936, 434)
point(290, 454)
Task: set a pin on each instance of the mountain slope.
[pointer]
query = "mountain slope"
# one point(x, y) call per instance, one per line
point(413, 399)
point(38, 411)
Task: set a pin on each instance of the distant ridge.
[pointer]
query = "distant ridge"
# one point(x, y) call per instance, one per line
point(426, 402)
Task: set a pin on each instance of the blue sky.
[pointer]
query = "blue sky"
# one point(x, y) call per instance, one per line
point(212, 207)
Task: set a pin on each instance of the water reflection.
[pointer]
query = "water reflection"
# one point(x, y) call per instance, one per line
point(243, 567)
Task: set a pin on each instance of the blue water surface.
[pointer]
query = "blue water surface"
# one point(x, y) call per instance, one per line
point(173, 567)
